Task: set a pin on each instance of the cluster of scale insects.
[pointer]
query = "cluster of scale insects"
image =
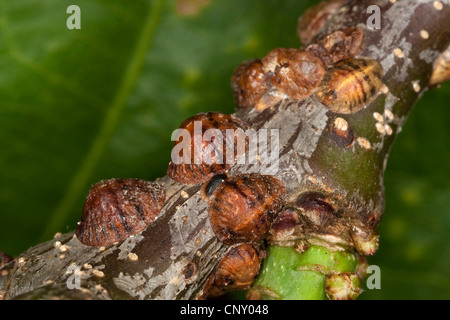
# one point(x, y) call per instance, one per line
point(242, 208)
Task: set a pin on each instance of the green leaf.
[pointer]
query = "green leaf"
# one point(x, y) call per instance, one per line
point(78, 106)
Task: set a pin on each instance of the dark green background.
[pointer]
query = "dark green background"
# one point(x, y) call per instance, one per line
point(78, 106)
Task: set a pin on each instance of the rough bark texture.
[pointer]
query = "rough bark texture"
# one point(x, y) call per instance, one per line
point(311, 159)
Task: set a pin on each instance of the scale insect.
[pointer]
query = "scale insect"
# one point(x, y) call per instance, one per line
point(116, 209)
point(243, 207)
point(236, 271)
point(350, 85)
point(214, 140)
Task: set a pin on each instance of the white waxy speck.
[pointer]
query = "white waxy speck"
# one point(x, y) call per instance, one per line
point(133, 256)
point(393, 1)
point(341, 124)
point(98, 273)
point(21, 260)
point(388, 114)
point(398, 53)
point(101, 249)
point(174, 280)
point(87, 266)
point(363, 142)
point(380, 128)
point(57, 235)
point(184, 194)
point(416, 85)
point(378, 116)
point(63, 248)
point(57, 244)
point(388, 129)
point(438, 5)
point(424, 34)
point(384, 89)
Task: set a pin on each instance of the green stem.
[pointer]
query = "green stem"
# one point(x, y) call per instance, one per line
point(289, 275)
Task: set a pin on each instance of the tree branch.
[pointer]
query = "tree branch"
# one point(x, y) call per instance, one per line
point(311, 160)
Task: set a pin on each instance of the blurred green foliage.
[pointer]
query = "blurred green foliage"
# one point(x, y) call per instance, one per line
point(78, 106)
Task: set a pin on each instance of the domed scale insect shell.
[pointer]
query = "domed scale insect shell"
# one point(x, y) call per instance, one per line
point(209, 154)
point(242, 208)
point(350, 85)
point(116, 209)
point(294, 72)
point(236, 271)
point(441, 69)
point(282, 73)
point(315, 18)
point(337, 46)
point(315, 208)
point(248, 83)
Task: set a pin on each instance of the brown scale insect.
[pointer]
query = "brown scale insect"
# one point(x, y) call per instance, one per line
point(208, 155)
point(116, 209)
point(350, 85)
point(294, 72)
point(285, 222)
point(248, 83)
point(236, 271)
point(337, 46)
point(242, 208)
point(441, 69)
point(313, 206)
point(315, 18)
point(282, 73)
